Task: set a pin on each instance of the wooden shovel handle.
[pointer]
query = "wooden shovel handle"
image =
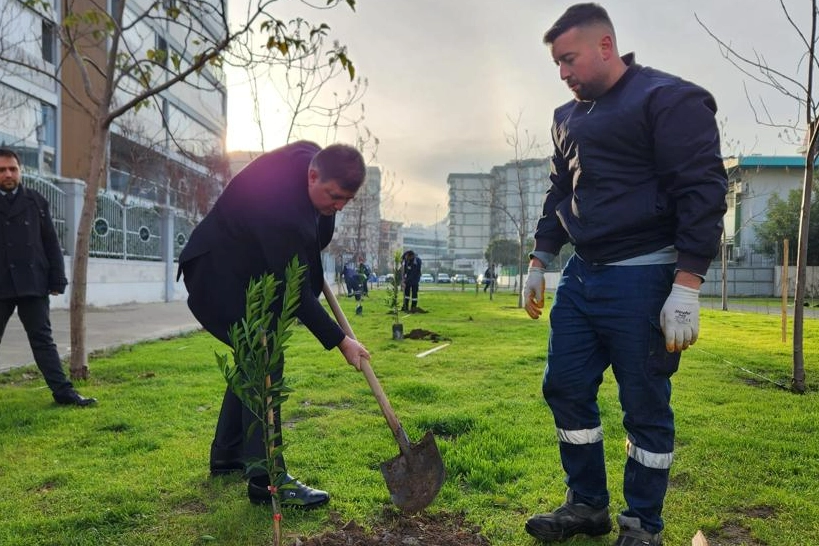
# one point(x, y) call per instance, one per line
point(397, 430)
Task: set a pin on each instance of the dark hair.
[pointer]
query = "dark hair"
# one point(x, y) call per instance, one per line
point(578, 15)
point(5, 152)
point(342, 163)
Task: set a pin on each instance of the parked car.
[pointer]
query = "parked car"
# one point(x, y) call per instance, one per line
point(426, 277)
point(443, 278)
point(459, 278)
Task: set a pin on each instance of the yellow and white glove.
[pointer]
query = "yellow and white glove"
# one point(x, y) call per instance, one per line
point(680, 318)
point(533, 290)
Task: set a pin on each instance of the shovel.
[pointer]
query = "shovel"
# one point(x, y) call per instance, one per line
point(415, 476)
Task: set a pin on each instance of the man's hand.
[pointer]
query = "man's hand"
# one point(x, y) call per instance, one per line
point(680, 318)
point(533, 290)
point(353, 351)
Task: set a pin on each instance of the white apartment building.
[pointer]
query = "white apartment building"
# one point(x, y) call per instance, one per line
point(752, 181)
point(469, 220)
point(358, 226)
point(517, 197)
point(29, 100)
point(488, 207)
point(174, 144)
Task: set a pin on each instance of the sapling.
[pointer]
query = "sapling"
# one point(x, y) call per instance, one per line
point(258, 343)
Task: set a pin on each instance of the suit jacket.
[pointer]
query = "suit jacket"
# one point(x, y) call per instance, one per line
point(31, 260)
point(263, 218)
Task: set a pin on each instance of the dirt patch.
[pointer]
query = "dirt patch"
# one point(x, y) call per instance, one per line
point(733, 534)
point(758, 512)
point(399, 530)
point(419, 333)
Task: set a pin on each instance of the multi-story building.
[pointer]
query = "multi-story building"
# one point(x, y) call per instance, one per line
point(358, 226)
point(752, 181)
point(29, 93)
point(469, 220)
point(495, 206)
point(172, 145)
point(517, 197)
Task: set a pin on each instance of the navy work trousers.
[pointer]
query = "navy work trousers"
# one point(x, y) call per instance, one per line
point(609, 316)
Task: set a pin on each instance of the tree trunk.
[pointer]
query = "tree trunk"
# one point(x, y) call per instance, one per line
point(79, 278)
point(798, 379)
point(521, 254)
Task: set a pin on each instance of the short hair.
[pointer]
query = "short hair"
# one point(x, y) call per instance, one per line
point(578, 15)
point(5, 152)
point(342, 163)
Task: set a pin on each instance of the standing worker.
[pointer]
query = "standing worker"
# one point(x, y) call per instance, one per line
point(645, 216)
point(283, 204)
point(410, 278)
point(31, 268)
point(489, 277)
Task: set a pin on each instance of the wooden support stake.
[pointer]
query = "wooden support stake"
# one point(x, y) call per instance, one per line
point(785, 291)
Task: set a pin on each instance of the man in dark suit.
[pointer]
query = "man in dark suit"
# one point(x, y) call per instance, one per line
point(283, 204)
point(31, 268)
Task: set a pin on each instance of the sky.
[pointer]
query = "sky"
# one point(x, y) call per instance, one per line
point(445, 77)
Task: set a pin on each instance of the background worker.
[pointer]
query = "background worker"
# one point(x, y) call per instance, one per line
point(410, 278)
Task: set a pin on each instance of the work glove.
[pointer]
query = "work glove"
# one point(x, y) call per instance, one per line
point(680, 318)
point(533, 290)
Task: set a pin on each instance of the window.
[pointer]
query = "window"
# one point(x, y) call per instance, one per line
point(162, 45)
point(49, 42)
point(49, 124)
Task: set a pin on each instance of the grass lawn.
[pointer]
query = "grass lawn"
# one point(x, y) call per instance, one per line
point(134, 469)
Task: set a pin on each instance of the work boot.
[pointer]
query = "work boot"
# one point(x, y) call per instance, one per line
point(568, 520)
point(294, 494)
point(632, 534)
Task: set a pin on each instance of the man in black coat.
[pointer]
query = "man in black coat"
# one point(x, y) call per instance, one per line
point(31, 268)
point(283, 204)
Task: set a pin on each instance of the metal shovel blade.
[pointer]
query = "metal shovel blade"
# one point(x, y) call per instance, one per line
point(415, 476)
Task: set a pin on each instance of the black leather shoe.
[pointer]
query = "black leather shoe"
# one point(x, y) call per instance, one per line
point(223, 467)
point(73, 398)
point(294, 493)
point(568, 520)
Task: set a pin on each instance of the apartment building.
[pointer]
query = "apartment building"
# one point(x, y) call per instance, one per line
point(173, 145)
point(29, 95)
point(487, 207)
point(469, 219)
point(358, 225)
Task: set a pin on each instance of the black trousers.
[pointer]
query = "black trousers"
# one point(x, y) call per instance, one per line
point(410, 295)
point(231, 442)
point(34, 314)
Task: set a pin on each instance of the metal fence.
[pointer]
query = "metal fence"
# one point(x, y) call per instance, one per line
point(130, 230)
point(56, 200)
point(182, 228)
point(125, 231)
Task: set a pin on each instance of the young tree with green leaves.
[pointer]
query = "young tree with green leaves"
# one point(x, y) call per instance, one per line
point(258, 354)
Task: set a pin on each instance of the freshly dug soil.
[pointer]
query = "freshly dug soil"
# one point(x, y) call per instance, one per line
point(401, 530)
point(420, 333)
